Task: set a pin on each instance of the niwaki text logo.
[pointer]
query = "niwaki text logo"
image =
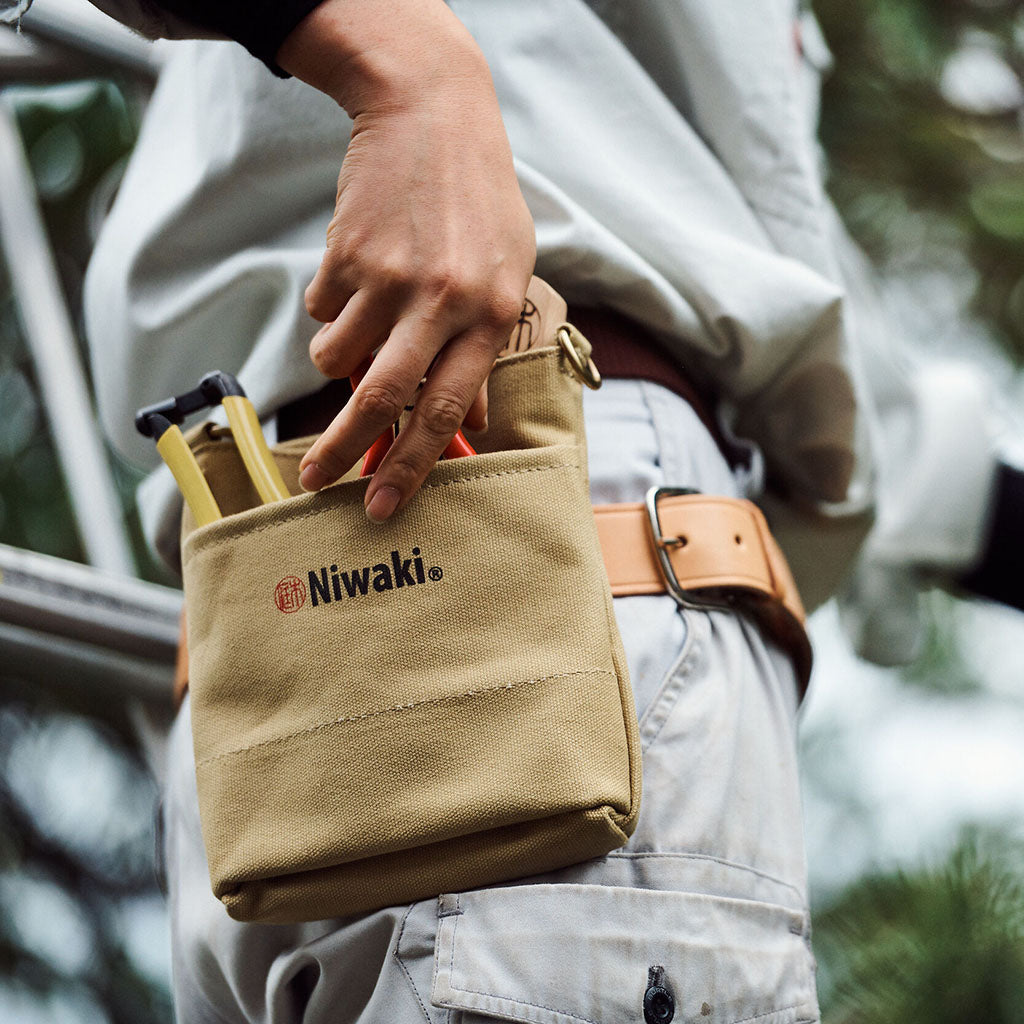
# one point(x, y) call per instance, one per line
point(329, 583)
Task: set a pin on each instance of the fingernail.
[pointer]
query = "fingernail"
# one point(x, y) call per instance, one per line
point(312, 478)
point(382, 504)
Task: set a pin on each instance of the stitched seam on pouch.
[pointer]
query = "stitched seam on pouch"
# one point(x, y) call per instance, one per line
point(531, 355)
point(544, 352)
point(291, 517)
point(397, 708)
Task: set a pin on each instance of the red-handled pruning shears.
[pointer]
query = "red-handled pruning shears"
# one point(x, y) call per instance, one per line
point(457, 448)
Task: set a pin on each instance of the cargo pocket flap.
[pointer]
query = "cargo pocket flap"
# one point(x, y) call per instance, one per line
point(582, 954)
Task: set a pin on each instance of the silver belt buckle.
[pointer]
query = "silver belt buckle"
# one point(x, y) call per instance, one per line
point(662, 545)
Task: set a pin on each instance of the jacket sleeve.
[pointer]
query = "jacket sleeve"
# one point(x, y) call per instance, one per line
point(939, 482)
point(261, 26)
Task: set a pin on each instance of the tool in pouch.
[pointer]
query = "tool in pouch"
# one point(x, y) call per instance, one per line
point(386, 712)
point(458, 447)
point(163, 420)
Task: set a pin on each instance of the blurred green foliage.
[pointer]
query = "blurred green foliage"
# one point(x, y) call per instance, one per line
point(77, 136)
point(941, 667)
point(921, 123)
point(940, 945)
point(78, 889)
point(35, 512)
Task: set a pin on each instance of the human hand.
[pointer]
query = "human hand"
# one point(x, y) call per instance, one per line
point(431, 246)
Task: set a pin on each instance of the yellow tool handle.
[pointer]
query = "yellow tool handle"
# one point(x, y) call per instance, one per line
point(176, 453)
point(259, 462)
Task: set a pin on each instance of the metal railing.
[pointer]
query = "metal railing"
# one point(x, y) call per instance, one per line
point(93, 625)
point(65, 623)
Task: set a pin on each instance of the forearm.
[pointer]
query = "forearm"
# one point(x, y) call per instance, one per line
point(431, 246)
point(374, 53)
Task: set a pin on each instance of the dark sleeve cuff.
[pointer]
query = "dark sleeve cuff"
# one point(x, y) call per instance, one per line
point(999, 574)
point(261, 26)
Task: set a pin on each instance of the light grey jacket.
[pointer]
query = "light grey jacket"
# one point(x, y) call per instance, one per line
point(667, 157)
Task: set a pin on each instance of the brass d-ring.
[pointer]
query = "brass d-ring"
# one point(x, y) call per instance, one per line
point(577, 351)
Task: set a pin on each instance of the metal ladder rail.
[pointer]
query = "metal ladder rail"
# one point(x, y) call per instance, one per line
point(72, 625)
point(62, 623)
point(52, 29)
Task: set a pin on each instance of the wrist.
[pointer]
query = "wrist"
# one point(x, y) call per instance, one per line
point(372, 54)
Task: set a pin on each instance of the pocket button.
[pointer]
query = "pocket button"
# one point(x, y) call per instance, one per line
point(659, 1003)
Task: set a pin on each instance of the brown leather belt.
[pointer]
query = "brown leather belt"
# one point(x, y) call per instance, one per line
point(707, 552)
point(623, 350)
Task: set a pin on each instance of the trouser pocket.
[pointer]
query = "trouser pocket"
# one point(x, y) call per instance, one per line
point(566, 954)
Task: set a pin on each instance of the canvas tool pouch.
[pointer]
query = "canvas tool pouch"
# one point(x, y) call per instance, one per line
point(386, 712)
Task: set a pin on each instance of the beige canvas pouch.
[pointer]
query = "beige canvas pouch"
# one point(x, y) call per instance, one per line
point(385, 712)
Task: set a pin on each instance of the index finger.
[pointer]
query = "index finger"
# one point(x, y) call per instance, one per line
point(452, 385)
point(376, 404)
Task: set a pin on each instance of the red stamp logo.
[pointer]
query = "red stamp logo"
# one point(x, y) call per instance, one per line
point(290, 594)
